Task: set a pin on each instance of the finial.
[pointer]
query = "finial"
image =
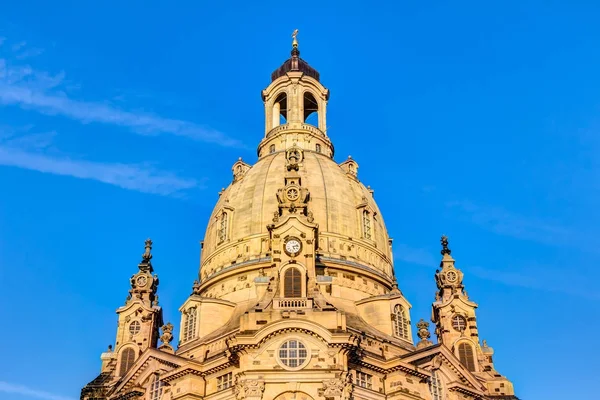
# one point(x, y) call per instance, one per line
point(110, 348)
point(147, 256)
point(196, 287)
point(295, 51)
point(166, 338)
point(423, 334)
point(445, 249)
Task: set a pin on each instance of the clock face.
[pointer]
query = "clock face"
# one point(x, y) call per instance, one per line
point(293, 246)
point(141, 280)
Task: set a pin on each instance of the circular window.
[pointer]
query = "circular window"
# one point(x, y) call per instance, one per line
point(451, 276)
point(134, 328)
point(459, 323)
point(293, 354)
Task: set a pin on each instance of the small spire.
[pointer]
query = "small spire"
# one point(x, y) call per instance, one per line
point(146, 265)
point(445, 249)
point(147, 256)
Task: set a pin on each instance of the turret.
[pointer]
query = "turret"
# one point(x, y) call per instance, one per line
point(295, 108)
point(140, 318)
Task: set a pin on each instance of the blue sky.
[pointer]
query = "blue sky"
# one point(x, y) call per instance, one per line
point(121, 121)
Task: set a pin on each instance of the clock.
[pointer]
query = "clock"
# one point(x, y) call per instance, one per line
point(292, 247)
point(141, 280)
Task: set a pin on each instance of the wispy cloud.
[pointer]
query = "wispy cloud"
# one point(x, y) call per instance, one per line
point(28, 88)
point(27, 152)
point(534, 277)
point(21, 390)
point(549, 279)
point(503, 222)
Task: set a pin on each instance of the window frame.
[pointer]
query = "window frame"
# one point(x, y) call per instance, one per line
point(367, 225)
point(190, 324)
point(156, 388)
point(466, 356)
point(436, 386)
point(364, 380)
point(126, 361)
point(223, 227)
point(284, 357)
point(293, 287)
point(224, 381)
point(401, 325)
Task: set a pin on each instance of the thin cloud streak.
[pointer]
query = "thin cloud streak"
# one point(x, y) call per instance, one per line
point(29, 89)
point(506, 223)
point(132, 177)
point(532, 277)
point(6, 387)
point(539, 281)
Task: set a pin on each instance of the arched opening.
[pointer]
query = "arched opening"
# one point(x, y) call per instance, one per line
point(272, 149)
point(127, 359)
point(400, 322)
point(311, 109)
point(465, 355)
point(292, 283)
point(280, 110)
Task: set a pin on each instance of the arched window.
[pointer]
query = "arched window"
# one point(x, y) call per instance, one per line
point(465, 355)
point(311, 109)
point(435, 386)
point(280, 110)
point(318, 148)
point(272, 149)
point(156, 388)
point(292, 283)
point(127, 359)
point(366, 224)
point(400, 322)
point(223, 227)
point(189, 324)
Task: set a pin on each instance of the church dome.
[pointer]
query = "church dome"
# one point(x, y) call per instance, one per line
point(337, 202)
point(295, 190)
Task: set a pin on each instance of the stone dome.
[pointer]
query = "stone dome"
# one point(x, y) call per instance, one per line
point(295, 190)
point(336, 201)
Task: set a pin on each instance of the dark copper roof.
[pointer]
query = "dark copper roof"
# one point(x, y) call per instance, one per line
point(295, 63)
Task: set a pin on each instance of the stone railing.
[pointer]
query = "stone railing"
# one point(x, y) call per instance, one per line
point(292, 303)
point(305, 127)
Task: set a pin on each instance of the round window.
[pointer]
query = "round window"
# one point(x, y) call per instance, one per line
point(134, 328)
point(293, 354)
point(459, 323)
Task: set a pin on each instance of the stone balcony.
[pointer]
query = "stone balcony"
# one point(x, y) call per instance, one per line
point(297, 303)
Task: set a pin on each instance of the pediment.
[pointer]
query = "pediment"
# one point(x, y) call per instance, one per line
point(457, 377)
point(152, 360)
point(291, 222)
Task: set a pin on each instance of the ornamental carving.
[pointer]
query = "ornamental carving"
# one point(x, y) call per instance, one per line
point(333, 387)
point(249, 388)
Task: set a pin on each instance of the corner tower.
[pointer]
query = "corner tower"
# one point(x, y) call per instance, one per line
point(453, 314)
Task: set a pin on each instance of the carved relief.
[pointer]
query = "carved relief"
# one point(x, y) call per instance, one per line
point(249, 388)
